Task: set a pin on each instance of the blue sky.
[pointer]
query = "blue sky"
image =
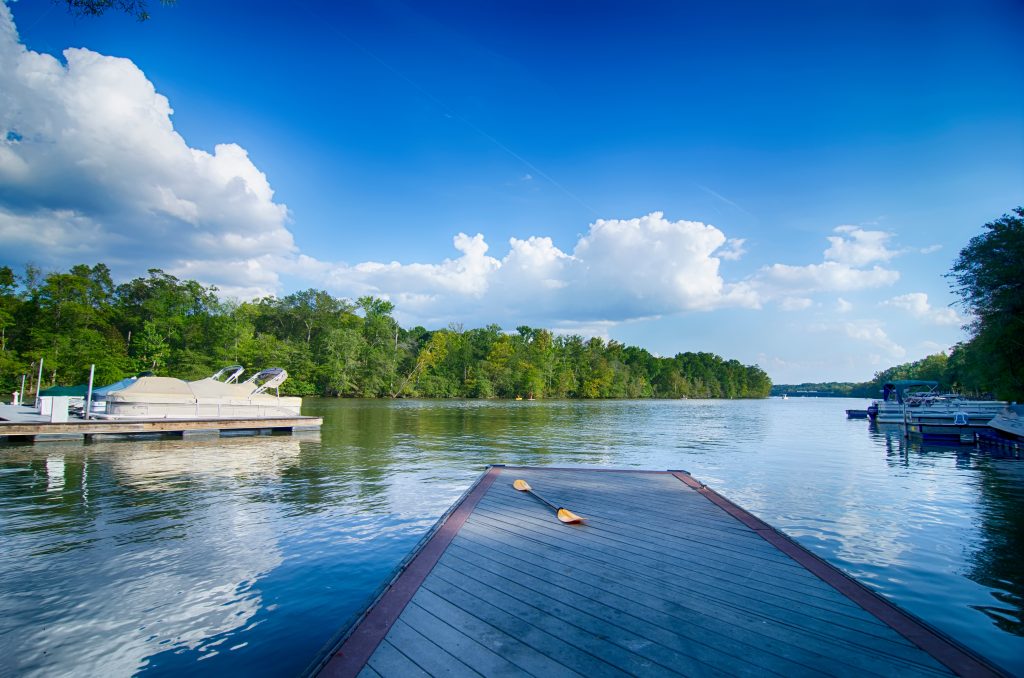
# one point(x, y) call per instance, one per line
point(670, 175)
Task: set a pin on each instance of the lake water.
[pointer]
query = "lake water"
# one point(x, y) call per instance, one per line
point(246, 555)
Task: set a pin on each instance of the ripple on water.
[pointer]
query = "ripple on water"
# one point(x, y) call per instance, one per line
point(245, 555)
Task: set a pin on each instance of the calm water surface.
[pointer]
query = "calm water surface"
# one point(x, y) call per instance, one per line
point(248, 554)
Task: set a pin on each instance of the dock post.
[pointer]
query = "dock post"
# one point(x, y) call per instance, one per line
point(39, 381)
point(88, 395)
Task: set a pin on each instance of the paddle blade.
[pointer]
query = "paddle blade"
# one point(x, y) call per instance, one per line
point(567, 516)
point(522, 486)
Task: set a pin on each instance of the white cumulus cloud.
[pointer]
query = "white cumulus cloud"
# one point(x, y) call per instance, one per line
point(620, 269)
point(826, 276)
point(918, 306)
point(873, 334)
point(857, 247)
point(733, 249)
point(867, 333)
point(795, 303)
point(91, 168)
point(844, 267)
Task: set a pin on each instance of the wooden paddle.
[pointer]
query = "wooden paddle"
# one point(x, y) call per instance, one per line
point(563, 514)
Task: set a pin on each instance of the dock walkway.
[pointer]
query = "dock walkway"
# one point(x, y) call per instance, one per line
point(23, 424)
point(665, 577)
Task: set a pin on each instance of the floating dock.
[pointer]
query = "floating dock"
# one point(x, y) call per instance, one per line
point(21, 424)
point(664, 577)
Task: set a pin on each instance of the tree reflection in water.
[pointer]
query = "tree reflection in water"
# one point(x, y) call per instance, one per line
point(245, 555)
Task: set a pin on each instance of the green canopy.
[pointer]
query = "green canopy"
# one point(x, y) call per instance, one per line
point(79, 390)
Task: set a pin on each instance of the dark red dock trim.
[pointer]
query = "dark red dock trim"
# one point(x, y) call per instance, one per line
point(958, 659)
point(357, 648)
point(588, 469)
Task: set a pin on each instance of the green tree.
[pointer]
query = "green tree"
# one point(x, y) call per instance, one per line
point(11, 364)
point(989, 277)
point(432, 352)
point(329, 346)
point(137, 9)
point(151, 350)
point(8, 303)
point(182, 314)
point(380, 351)
point(70, 325)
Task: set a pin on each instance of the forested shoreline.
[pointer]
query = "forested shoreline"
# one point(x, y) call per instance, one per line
point(329, 346)
point(954, 372)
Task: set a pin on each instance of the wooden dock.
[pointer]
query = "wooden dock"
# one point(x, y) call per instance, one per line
point(20, 425)
point(664, 577)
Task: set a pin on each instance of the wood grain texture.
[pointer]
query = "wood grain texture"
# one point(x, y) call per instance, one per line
point(663, 578)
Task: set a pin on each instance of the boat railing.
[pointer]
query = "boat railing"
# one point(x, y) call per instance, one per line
point(229, 374)
point(270, 378)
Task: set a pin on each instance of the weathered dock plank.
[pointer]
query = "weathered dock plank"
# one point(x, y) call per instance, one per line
point(664, 577)
point(739, 633)
point(388, 661)
point(426, 654)
point(577, 649)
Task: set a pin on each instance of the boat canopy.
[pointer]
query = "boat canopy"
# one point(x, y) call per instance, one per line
point(272, 377)
point(73, 391)
point(899, 387)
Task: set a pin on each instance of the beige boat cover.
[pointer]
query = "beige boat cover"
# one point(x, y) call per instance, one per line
point(157, 385)
point(168, 391)
point(211, 388)
point(154, 389)
point(166, 388)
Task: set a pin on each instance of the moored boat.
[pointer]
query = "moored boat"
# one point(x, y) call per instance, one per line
point(889, 410)
point(901, 404)
point(960, 427)
point(1005, 435)
point(216, 397)
point(1010, 422)
point(99, 395)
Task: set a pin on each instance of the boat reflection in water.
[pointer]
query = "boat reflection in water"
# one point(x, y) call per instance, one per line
point(118, 556)
point(997, 485)
point(901, 447)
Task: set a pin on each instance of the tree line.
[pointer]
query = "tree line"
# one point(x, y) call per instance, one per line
point(954, 372)
point(329, 346)
point(988, 275)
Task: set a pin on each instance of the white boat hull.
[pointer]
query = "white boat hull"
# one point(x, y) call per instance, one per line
point(977, 412)
point(281, 407)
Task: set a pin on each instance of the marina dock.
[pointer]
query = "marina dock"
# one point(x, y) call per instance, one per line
point(663, 577)
point(21, 424)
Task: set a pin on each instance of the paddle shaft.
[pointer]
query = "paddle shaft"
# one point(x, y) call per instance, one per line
point(563, 514)
point(553, 507)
